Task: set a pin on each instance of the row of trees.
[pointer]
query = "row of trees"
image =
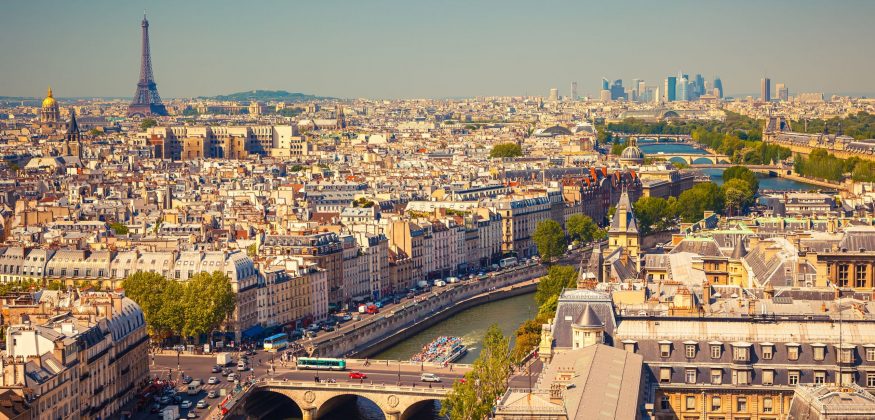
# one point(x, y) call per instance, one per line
point(822, 164)
point(506, 150)
point(742, 126)
point(188, 309)
point(528, 335)
point(859, 126)
point(552, 240)
point(752, 152)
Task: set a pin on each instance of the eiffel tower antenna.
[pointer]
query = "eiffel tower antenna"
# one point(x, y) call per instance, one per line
point(146, 100)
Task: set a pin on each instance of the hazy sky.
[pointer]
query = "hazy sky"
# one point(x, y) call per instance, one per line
point(411, 48)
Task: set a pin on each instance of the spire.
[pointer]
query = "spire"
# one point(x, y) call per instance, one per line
point(73, 127)
point(588, 318)
point(49, 94)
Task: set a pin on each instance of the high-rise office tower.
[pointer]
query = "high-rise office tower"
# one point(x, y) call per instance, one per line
point(554, 95)
point(670, 88)
point(617, 91)
point(606, 84)
point(642, 89)
point(635, 91)
point(782, 92)
point(700, 85)
point(573, 91)
point(718, 84)
point(766, 89)
point(681, 90)
point(656, 98)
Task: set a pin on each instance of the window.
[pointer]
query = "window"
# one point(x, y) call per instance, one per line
point(716, 402)
point(846, 355)
point(740, 377)
point(847, 378)
point(819, 377)
point(768, 352)
point(665, 374)
point(716, 376)
point(690, 376)
point(843, 275)
point(768, 377)
point(663, 403)
point(860, 276)
point(691, 403)
point(870, 354)
point(740, 353)
point(664, 349)
point(793, 377)
point(741, 404)
point(715, 351)
point(819, 352)
point(793, 352)
point(767, 405)
point(870, 380)
point(691, 350)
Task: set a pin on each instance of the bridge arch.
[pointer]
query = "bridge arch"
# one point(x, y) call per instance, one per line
point(703, 159)
point(678, 159)
point(429, 406)
point(343, 401)
point(267, 404)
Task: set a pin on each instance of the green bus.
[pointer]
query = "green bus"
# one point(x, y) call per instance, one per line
point(321, 363)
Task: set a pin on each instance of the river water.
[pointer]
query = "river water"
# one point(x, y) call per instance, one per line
point(716, 174)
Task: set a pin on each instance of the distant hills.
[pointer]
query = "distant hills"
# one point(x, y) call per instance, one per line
point(267, 95)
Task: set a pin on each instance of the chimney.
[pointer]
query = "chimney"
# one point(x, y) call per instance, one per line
point(706, 292)
point(753, 240)
point(116, 305)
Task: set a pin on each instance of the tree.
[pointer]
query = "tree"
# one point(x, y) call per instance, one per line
point(737, 195)
point(251, 251)
point(296, 168)
point(558, 277)
point(550, 239)
point(94, 132)
point(118, 228)
point(744, 174)
point(504, 150)
point(148, 123)
point(693, 203)
point(653, 212)
point(190, 112)
point(148, 290)
point(580, 228)
point(485, 383)
point(208, 300)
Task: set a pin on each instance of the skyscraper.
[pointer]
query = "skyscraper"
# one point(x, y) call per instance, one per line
point(766, 89)
point(700, 85)
point(617, 90)
point(782, 92)
point(642, 90)
point(606, 85)
point(718, 84)
point(573, 91)
point(670, 88)
point(682, 89)
point(635, 91)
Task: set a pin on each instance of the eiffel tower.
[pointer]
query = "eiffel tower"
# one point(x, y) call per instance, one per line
point(146, 100)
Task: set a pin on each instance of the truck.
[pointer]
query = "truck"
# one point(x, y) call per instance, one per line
point(224, 359)
point(422, 284)
point(193, 388)
point(507, 262)
point(373, 309)
point(171, 412)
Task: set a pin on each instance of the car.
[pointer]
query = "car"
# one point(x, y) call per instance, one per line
point(328, 327)
point(216, 369)
point(311, 334)
point(429, 377)
point(213, 380)
point(187, 379)
point(232, 377)
point(347, 318)
point(357, 375)
point(191, 415)
point(201, 404)
point(212, 394)
point(185, 404)
point(226, 372)
point(250, 352)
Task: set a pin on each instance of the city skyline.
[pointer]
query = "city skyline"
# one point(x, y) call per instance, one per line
point(397, 50)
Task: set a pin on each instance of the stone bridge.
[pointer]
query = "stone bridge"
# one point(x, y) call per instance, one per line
point(693, 158)
point(677, 138)
point(316, 400)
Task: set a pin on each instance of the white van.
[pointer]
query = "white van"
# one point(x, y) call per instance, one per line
point(242, 365)
point(429, 377)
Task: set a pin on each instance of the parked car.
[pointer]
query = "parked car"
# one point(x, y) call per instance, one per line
point(187, 380)
point(212, 394)
point(185, 404)
point(357, 375)
point(217, 369)
point(191, 415)
point(213, 380)
point(429, 377)
point(201, 404)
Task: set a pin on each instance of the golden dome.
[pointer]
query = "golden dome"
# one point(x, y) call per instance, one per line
point(49, 102)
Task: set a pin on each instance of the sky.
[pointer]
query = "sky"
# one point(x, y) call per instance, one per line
point(432, 49)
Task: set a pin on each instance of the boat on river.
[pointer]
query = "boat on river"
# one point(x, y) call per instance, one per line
point(444, 349)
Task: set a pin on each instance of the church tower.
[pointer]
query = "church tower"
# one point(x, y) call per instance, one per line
point(341, 119)
point(623, 232)
point(72, 140)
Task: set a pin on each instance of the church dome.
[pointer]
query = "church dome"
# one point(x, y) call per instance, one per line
point(49, 102)
point(632, 154)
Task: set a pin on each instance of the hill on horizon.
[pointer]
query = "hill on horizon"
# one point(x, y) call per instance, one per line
point(267, 95)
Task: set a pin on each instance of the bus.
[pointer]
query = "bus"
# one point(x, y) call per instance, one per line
point(194, 387)
point(507, 262)
point(321, 363)
point(276, 342)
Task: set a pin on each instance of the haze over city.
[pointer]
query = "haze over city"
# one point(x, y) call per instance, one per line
point(407, 49)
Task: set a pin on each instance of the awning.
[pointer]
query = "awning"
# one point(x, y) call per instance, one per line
point(253, 331)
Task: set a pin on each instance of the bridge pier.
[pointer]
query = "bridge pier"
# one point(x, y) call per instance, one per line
point(392, 415)
point(308, 413)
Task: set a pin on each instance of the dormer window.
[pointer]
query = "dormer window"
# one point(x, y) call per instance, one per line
point(767, 350)
point(819, 350)
point(690, 350)
point(741, 352)
point(664, 348)
point(716, 350)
